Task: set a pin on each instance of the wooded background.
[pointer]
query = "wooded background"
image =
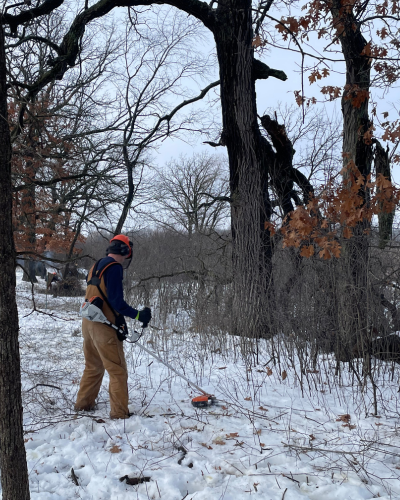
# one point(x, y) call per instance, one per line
point(291, 237)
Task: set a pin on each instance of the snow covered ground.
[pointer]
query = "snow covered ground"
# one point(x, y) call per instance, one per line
point(274, 436)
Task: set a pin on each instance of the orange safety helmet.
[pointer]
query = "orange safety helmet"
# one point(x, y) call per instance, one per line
point(125, 249)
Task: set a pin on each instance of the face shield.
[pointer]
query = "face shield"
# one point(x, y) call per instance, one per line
point(128, 260)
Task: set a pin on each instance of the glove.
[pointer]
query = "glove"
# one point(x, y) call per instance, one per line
point(144, 316)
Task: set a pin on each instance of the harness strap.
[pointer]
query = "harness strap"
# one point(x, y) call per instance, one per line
point(96, 281)
point(96, 277)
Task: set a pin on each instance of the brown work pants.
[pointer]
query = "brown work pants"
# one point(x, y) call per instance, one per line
point(103, 350)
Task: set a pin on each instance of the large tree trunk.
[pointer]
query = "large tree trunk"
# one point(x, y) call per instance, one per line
point(28, 222)
point(382, 166)
point(267, 252)
point(241, 136)
point(357, 150)
point(29, 271)
point(14, 473)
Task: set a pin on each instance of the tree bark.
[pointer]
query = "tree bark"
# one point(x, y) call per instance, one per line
point(357, 151)
point(14, 473)
point(382, 166)
point(28, 216)
point(233, 39)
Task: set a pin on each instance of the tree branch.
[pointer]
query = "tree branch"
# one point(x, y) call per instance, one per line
point(209, 204)
point(193, 274)
point(260, 20)
point(261, 71)
point(52, 45)
point(304, 184)
point(51, 182)
point(27, 15)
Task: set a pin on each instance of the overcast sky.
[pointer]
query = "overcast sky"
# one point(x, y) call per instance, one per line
point(272, 91)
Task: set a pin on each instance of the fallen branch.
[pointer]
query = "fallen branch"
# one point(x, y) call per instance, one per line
point(74, 477)
point(135, 480)
point(44, 385)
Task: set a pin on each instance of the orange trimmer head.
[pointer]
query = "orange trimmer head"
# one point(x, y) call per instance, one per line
point(204, 401)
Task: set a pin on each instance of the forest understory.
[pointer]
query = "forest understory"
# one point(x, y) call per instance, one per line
point(282, 429)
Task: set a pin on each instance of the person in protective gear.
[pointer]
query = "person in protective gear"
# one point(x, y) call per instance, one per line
point(101, 347)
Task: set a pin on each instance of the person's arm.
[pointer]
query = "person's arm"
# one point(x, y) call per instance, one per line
point(115, 293)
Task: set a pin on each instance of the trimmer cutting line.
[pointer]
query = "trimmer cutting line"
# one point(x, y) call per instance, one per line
point(92, 312)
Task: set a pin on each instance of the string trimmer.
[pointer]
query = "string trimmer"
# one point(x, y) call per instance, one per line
point(92, 312)
point(199, 401)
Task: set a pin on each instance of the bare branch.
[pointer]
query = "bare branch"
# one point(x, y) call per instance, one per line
point(36, 38)
point(27, 15)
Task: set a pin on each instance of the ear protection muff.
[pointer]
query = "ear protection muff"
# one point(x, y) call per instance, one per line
point(125, 250)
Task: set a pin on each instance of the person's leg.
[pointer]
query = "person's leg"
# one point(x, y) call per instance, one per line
point(111, 351)
point(93, 373)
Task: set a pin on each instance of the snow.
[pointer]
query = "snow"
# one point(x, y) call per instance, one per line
point(270, 437)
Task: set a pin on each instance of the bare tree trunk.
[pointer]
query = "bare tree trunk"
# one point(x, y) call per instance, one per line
point(14, 473)
point(357, 148)
point(28, 205)
point(266, 265)
point(29, 271)
point(382, 166)
point(28, 210)
point(240, 134)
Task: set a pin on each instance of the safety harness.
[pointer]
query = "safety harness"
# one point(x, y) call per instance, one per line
point(91, 309)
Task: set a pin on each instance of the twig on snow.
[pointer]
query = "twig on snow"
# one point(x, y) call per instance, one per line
point(44, 385)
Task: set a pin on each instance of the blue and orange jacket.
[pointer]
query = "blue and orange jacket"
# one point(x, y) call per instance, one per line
point(110, 273)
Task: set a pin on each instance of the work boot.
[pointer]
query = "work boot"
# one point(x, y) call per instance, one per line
point(122, 418)
point(86, 408)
